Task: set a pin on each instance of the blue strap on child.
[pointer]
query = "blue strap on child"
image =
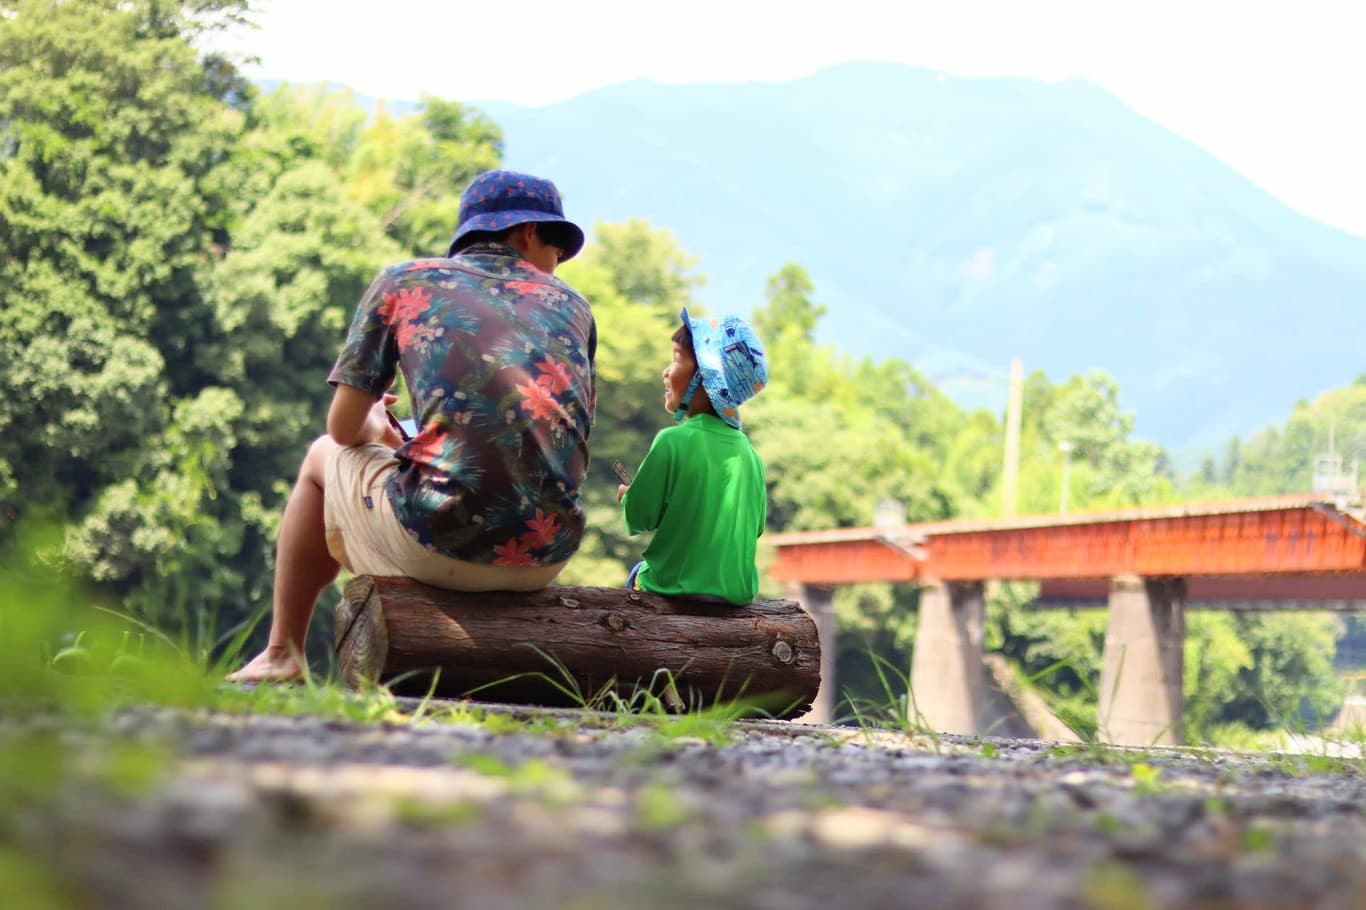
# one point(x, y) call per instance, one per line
point(686, 400)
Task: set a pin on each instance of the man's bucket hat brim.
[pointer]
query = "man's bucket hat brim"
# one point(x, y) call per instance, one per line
point(498, 200)
point(731, 361)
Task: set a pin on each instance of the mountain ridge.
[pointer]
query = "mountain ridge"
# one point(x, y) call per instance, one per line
point(960, 222)
point(1049, 211)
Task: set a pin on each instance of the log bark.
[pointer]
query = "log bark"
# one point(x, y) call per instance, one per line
point(575, 645)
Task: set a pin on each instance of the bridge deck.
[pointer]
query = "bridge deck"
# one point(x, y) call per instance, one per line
point(1286, 535)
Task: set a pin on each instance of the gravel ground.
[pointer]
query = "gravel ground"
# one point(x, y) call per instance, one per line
point(504, 809)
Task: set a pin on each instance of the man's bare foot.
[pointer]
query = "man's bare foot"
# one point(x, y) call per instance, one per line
point(271, 665)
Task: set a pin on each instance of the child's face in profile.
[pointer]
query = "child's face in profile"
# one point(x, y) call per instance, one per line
point(677, 375)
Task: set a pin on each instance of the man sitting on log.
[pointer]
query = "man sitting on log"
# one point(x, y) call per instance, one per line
point(498, 359)
point(701, 485)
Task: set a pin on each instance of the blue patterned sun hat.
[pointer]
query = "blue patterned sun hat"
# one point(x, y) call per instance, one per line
point(497, 200)
point(730, 363)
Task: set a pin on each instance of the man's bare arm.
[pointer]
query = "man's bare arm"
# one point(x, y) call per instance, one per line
point(357, 417)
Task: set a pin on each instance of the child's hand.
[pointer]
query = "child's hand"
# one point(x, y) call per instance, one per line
point(621, 491)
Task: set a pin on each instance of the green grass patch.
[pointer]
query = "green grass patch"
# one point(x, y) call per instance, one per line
point(1147, 779)
point(1112, 885)
point(535, 778)
point(421, 813)
point(31, 882)
point(658, 808)
point(895, 709)
point(1257, 839)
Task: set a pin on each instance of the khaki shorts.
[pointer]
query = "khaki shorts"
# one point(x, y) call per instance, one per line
point(365, 536)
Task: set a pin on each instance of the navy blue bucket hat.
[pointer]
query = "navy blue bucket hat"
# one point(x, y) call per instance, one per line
point(497, 200)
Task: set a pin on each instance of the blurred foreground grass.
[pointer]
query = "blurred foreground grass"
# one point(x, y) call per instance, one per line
point(68, 664)
point(64, 664)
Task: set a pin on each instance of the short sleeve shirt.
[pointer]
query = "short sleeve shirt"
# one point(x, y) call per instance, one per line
point(701, 490)
point(498, 358)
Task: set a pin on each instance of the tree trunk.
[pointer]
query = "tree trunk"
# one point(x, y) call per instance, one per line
point(575, 645)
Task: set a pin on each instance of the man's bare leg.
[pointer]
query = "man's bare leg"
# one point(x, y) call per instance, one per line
point(303, 567)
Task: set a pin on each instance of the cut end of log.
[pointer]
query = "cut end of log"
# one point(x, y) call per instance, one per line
point(362, 633)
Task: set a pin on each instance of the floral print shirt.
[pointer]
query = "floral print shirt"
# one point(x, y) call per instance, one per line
point(498, 358)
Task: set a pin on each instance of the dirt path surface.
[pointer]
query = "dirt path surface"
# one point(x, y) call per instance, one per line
point(504, 809)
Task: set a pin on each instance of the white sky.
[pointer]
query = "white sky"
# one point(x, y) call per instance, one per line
point(1275, 88)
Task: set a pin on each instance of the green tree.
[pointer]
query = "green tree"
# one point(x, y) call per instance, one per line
point(1233, 457)
point(1280, 459)
point(166, 540)
point(1059, 651)
point(647, 266)
point(189, 532)
point(790, 312)
point(973, 463)
point(830, 468)
point(113, 136)
point(786, 324)
point(1085, 413)
point(1215, 658)
point(1290, 681)
point(180, 260)
point(410, 171)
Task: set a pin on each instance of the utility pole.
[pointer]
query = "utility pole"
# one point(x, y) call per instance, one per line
point(1011, 476)
point(1066, 446)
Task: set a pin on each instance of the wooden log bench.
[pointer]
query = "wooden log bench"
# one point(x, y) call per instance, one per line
point(576, 646)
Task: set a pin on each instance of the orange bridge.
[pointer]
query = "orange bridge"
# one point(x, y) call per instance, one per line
point(1148, 565)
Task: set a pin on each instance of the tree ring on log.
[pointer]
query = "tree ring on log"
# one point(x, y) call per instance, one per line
point(783, 651)
point(615, 621)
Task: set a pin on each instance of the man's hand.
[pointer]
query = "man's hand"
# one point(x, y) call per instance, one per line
point(621, 491)
point(378, 425)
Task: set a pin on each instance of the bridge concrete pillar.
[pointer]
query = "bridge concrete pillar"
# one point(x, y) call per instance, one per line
point(948, 678)
point(819, 601)
point(1141, 701)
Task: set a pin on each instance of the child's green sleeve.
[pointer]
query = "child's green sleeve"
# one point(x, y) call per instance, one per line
point(643, 504)
point(763, 502)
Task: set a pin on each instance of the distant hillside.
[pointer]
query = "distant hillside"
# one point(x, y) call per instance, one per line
point(960, 222)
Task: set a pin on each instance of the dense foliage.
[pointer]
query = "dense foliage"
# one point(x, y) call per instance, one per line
point(180, 255)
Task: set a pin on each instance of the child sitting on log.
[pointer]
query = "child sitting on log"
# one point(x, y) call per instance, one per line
point(701, 485)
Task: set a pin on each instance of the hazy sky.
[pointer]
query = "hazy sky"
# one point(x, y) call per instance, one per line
point(1274, 88)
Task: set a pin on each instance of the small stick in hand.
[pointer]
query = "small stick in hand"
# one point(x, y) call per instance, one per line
point(619, 469)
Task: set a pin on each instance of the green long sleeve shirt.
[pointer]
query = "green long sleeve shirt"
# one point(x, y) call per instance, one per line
point(701, 490)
